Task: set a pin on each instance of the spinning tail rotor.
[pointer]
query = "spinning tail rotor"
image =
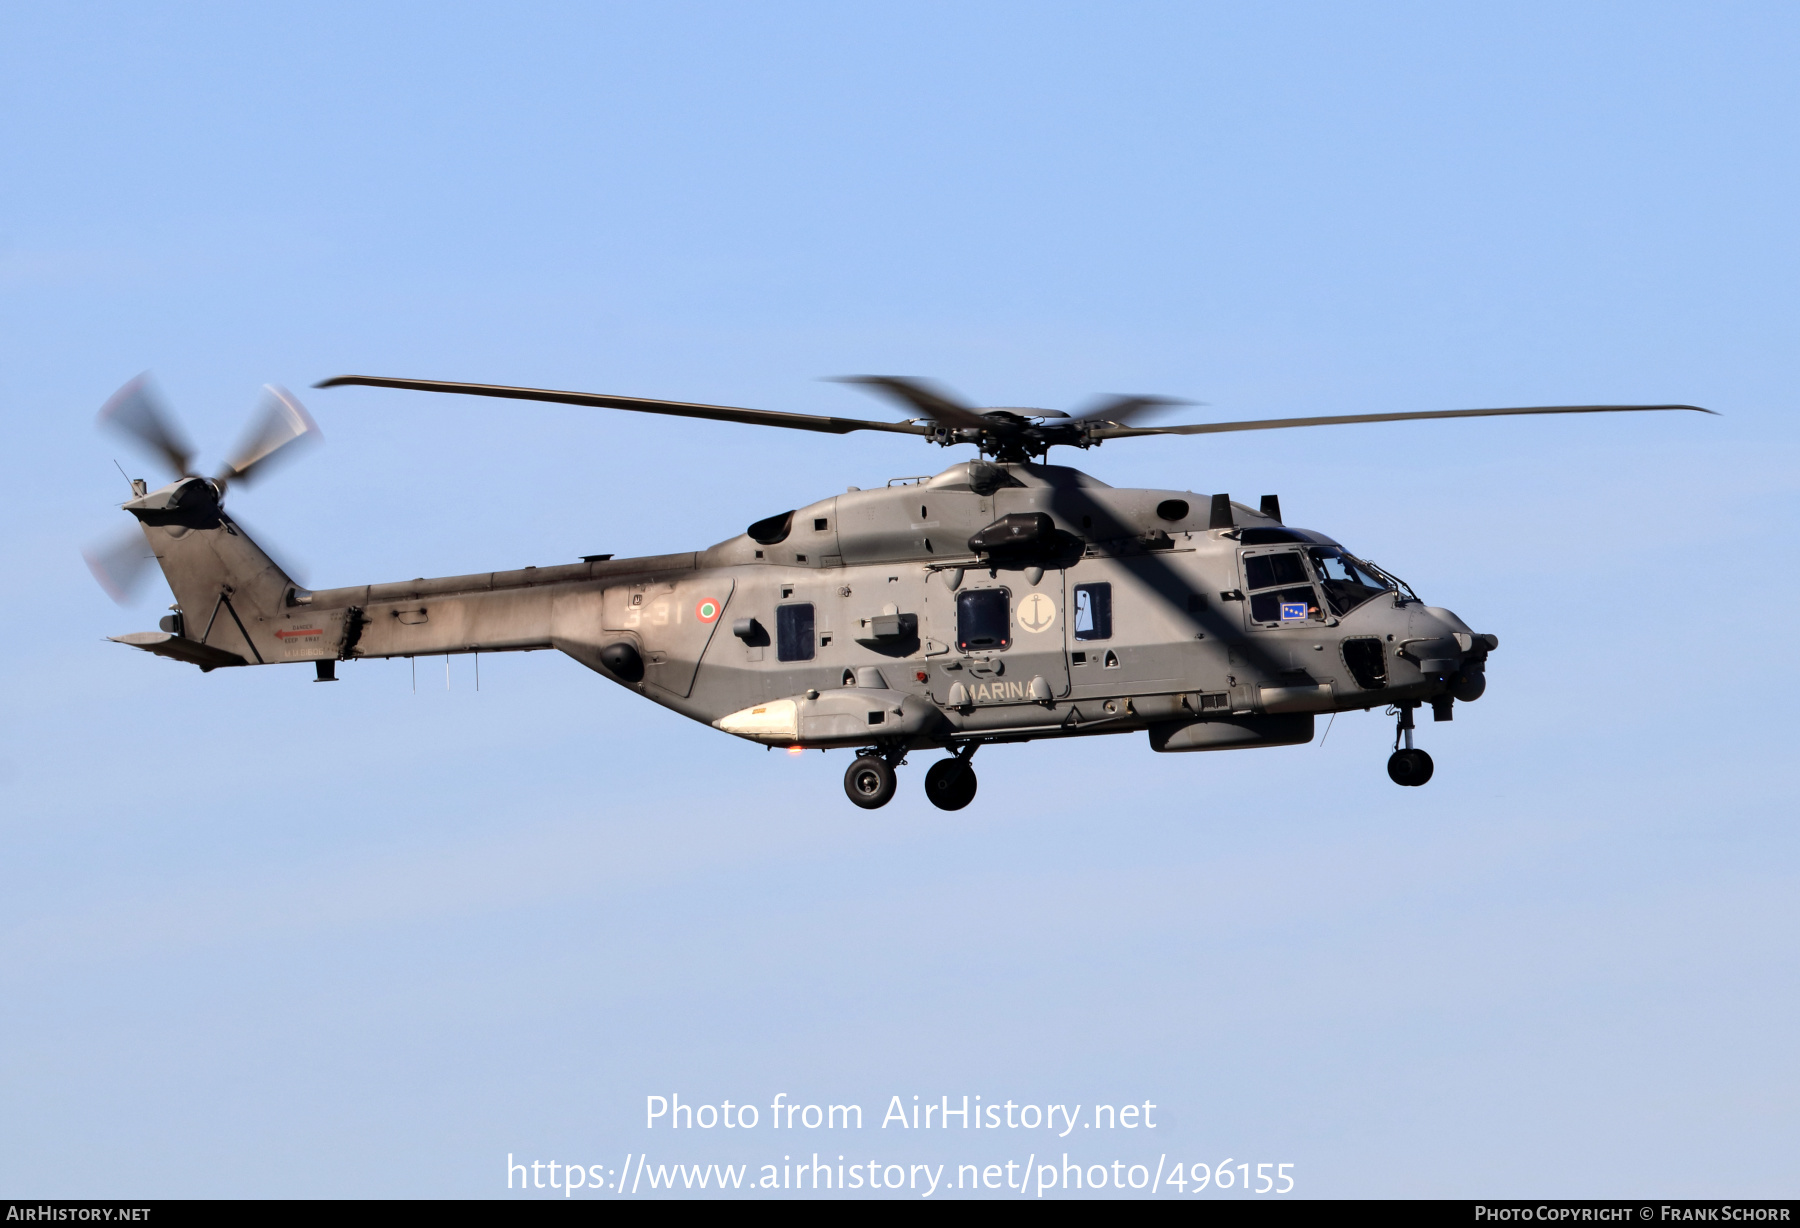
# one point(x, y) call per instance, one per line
point(137, 412)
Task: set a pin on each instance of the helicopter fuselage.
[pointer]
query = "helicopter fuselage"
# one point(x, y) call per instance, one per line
point(992, 602)
point(1002, 600)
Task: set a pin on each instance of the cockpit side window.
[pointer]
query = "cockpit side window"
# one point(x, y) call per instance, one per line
point(1281, 591)
point(1347, 583)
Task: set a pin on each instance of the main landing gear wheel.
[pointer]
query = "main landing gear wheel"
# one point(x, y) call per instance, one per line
point(950, 784)
point(1409, 767)
point(870, 783)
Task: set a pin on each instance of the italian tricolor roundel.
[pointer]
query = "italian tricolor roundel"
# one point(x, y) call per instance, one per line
point(707, 610)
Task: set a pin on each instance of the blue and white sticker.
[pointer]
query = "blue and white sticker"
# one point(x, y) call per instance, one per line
point(1293, 611)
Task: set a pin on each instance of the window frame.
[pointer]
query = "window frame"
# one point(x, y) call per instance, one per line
point(1102, 589)
point(1311, 583)
point(970, 593)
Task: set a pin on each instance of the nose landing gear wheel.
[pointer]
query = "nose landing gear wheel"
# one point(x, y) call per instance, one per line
point(950, 784)
point(1409, 767)
point(869, 783)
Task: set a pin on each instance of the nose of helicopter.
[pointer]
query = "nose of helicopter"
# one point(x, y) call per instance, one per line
point(1441, 644)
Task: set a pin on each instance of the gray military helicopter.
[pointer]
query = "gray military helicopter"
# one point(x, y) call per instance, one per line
point(1003, 600)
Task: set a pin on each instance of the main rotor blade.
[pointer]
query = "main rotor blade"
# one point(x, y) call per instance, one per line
point(280, 420)
point(642, 405)
point(136, 410)
point(1271, 424)
point(1123, 410)
point(119, 564)
point(927, 400)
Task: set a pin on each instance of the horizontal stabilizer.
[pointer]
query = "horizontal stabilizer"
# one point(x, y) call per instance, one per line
point(180, 648)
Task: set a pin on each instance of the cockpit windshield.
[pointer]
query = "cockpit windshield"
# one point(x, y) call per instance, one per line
point(1347, 581)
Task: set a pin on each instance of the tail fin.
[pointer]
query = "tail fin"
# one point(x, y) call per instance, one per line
point(232, 598)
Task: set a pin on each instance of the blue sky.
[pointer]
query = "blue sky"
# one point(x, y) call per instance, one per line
point(266, 937)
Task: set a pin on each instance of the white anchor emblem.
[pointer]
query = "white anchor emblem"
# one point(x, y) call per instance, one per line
point(1036, 613)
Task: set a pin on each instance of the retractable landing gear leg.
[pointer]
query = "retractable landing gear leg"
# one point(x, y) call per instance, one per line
point(950, 784)
point(1408, 766)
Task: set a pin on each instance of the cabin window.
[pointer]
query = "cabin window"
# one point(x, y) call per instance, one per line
point(794, 632)
point(1093, 611)
point(983, 619)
